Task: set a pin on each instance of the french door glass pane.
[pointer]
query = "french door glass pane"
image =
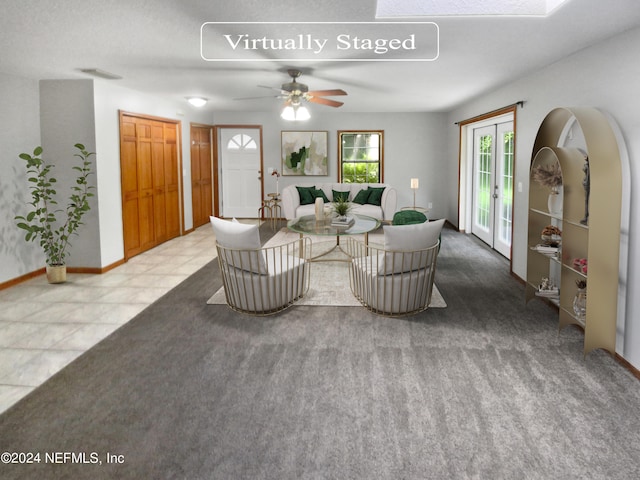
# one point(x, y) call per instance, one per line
point(483, 199)
point(506, 211)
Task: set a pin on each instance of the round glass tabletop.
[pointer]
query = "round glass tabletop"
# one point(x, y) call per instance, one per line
point(309, 225)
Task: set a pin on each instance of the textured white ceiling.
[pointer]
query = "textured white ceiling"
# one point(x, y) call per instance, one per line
point(394, 8)
point(155, 46)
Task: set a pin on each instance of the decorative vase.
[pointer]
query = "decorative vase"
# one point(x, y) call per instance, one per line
point(554, 202)
point(580, 303)
point(319, 209)
point(56, 273)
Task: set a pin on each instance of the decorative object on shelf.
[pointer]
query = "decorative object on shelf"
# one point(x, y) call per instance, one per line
point(43, 220)
point(414, 186)
point(548, 250)
point(580, 300)
point(277, 175)
point(550, 176)
point(547, 288)
point(551, 235)
point(580, 265)
point(586, 183)
point(554, 202)
point(304, 153)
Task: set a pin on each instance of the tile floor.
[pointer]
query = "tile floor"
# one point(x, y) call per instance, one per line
point(44, 327)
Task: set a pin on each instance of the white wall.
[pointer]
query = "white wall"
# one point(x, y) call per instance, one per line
point(109, 99)
point(19, 132)
point(604, 76)
point(414, 146)
point(70, 116)
point(67, 118)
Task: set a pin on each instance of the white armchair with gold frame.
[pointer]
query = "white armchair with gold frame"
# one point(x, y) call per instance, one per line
point(396, 279)
point(260, 280)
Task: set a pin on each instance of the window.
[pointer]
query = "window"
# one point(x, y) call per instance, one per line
point(241, 141)
point(360, 156)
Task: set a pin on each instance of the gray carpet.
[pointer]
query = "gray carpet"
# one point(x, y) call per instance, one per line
point(485, 388)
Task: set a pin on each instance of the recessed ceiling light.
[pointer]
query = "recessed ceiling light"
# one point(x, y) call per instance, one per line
point(96, 72)
point(197, 101)
point(422, 8)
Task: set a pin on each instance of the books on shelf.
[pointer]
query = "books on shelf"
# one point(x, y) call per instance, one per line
point(550, 293)
point(342, 221)
point(546, 249)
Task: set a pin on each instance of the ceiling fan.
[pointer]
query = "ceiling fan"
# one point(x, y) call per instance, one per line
point(295, 92)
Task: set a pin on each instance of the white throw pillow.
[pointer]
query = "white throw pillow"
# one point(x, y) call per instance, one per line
point(408, 238)
point(233, 234)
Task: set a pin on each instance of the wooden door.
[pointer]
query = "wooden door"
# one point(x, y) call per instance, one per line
point(150, 179)
point(201, 178)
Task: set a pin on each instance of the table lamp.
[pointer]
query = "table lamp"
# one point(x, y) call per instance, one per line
point(414, 187)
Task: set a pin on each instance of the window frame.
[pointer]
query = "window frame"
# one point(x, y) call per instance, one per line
point(380, 160)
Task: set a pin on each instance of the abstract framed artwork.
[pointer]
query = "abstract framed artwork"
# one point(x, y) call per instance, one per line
point(304, 152)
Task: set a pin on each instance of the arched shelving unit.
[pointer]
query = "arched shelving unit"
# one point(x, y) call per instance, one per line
point(597, 240)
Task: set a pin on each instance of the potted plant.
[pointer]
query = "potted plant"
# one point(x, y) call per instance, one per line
point(341, 206)
point(53, 226)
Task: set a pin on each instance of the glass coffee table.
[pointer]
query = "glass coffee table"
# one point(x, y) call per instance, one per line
point(308, 225)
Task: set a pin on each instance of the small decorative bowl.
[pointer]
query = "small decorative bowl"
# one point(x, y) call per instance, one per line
point(552, 240)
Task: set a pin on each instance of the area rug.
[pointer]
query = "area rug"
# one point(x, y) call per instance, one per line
point(329, 284)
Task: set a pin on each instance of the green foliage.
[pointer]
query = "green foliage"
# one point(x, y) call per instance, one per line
point(42, 220)
point(360, 172)
point(341, 206)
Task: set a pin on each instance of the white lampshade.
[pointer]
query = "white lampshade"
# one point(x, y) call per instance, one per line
point(414, 183)
point(295, 113)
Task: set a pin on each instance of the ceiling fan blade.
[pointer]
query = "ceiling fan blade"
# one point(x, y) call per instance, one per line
point(324, 101)
point(271, 88)
point(263, 96)
point(327, 93)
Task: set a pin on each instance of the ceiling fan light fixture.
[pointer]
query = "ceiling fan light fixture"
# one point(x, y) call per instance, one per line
point(197, 101)
point(295, 113)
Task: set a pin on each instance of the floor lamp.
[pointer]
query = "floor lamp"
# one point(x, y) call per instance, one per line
point(414, 187)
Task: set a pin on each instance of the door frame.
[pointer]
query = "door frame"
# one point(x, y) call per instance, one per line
point(465, 163)
point(216, 162)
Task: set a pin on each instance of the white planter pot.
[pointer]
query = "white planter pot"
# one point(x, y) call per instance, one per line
point(554, 202)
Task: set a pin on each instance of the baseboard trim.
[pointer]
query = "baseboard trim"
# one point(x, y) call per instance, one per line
point(633, 370)
point(43, 271)
point(22, 278)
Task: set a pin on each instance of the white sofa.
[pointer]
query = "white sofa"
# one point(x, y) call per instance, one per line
point(291, 207)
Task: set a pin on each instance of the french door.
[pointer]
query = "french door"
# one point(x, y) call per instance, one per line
point(493, 149)
point(240, 154)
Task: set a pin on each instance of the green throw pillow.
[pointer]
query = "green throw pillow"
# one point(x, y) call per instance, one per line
point(337, 194)
point(362, 196)
point(408, 217)
point(319, 193)
point(375, 195)
point(307, 195)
